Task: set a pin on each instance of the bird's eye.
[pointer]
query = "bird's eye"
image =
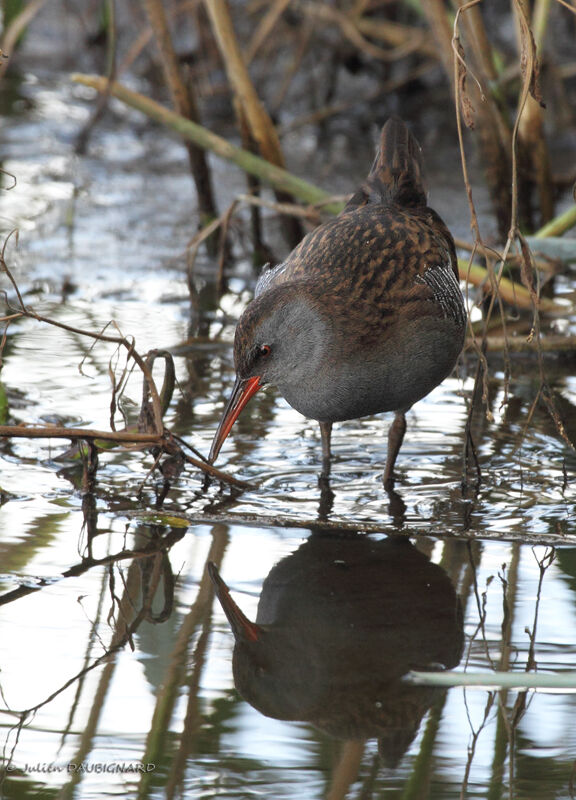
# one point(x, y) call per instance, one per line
point(264, 350)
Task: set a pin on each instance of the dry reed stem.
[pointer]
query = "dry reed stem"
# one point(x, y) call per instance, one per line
point(559, 225)
point(489, 115)
point(145, 36)
point(184, 101)
point(159, 24)
point(169, 443)
point(436, 15)
point(261, 126)
point(255, 123)
point(24, 431)
point(404, 38)
point(476, 36)
point(567, 4)
point(265, 28)
point(350, 30)
point(310, 214)
point(499, 286)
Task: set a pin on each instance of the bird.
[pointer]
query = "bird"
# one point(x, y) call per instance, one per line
point(365, 315)
point(340, 622)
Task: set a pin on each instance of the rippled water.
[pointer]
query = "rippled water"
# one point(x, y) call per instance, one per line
point(104, 238)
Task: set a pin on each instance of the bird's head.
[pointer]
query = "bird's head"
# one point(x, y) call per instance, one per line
point(280, 340)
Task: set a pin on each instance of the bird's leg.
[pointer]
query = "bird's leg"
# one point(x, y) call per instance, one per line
point(326, 503)
point(326, 493)
point(325, 433)
point(395, 437)
point(396, 507)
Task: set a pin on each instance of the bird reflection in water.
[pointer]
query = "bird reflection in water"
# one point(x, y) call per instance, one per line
point(339, 623)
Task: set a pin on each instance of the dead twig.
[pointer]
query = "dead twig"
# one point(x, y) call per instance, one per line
point(255, 123)
point(151, 430)
point(529, 344)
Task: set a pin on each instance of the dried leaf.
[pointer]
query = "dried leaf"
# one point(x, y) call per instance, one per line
point(529, 62)
point(527, 272)
point(468, 109)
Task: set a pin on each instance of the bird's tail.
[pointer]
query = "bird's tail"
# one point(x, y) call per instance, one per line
point(396, 175)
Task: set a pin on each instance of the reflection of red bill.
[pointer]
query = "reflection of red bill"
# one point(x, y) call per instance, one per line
point(241, 393)
point(242, 627)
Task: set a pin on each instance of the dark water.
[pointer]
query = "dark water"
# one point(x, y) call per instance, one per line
point(485, 582)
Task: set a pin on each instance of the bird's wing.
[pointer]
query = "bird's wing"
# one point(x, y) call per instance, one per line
point(272, 276)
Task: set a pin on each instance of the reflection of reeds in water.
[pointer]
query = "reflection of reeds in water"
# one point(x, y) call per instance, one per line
point(127, 623)
point(392, 576)
point(178, 676)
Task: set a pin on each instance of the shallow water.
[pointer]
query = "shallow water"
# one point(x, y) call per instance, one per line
point(104, 238)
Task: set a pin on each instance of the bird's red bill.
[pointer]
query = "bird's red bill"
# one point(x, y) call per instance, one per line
point(243, 390)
